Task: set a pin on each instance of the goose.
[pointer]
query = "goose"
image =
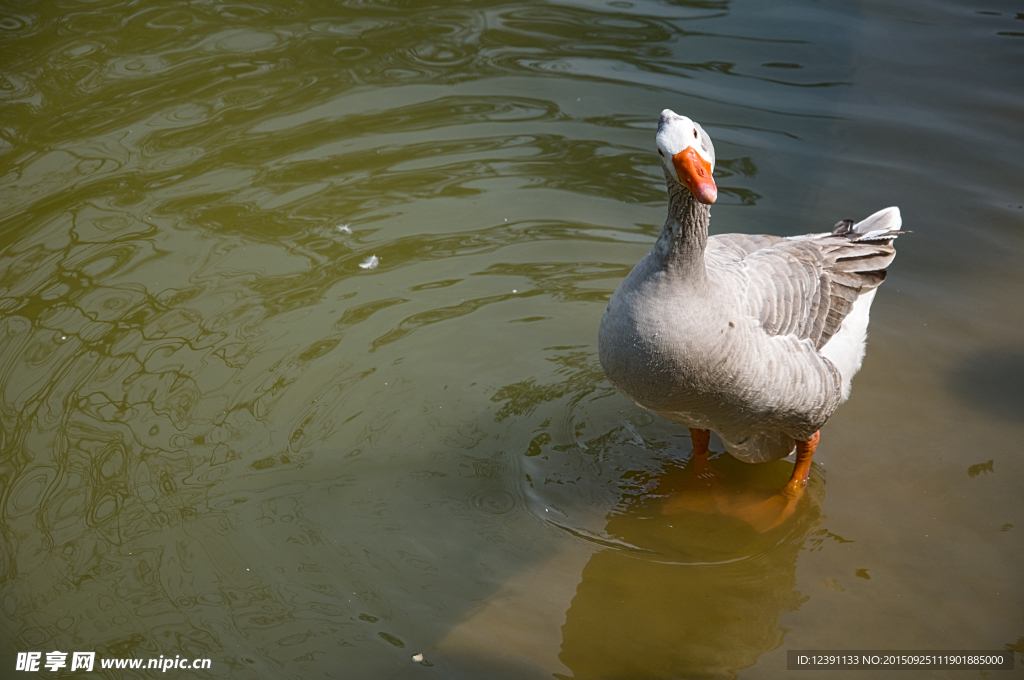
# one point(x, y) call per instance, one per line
point(755, 337)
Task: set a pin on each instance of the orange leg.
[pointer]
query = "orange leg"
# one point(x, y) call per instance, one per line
point(701, 467)
point(762, 509)
point(804, 453)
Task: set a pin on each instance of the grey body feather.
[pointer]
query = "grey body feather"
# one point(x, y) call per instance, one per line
point(730, 333)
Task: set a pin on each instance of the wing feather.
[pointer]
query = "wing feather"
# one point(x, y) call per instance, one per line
point(805, 286)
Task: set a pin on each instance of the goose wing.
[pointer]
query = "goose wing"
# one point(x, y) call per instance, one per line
point(806, 285)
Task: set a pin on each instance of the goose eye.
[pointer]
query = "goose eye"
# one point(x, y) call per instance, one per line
point(695, 133)
point(661, 153)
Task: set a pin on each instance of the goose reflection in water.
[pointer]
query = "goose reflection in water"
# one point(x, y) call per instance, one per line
point(683, 593)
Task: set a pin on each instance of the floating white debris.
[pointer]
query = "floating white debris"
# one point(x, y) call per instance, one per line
point(417, 657)
point(344, 229)
point(370, 263)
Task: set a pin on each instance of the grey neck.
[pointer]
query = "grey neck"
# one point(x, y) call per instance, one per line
point(685, 234)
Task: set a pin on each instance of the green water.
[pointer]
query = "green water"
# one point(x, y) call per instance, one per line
point(223, 438)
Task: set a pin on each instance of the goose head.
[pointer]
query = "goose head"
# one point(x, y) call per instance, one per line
point(687, 153)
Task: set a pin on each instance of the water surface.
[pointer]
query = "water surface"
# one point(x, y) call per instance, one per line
point(222, 437)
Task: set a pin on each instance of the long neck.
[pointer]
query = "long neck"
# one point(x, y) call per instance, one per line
point(685, 234)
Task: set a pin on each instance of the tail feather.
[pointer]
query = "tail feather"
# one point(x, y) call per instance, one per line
point(887, 219)
point(883, 225)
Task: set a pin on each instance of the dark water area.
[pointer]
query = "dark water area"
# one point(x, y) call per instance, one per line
point(298, 336)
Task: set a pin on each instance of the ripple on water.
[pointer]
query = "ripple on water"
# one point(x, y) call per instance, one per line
point(14, 22)
point(142, 66)
point(493, 501)
point(91, 22)
point(83, 48)
point(246, 41)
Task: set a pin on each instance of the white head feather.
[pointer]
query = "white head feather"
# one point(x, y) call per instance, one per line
point(676, 133)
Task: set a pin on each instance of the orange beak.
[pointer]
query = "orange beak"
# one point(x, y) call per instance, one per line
point(695, 173)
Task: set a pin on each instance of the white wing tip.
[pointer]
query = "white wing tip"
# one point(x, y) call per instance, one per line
point(888, 219)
